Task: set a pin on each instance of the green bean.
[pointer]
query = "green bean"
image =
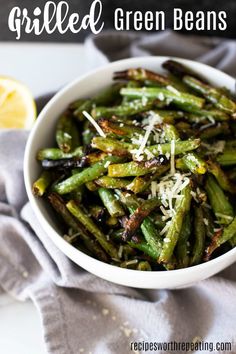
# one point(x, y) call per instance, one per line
point(182, 206)
point(227, 158)
point(148, 228)
point(170, 132)
point(212, 132)
point(130, 264)
point(200, 234)
point(208, 221)
point(213, 95)
point(141, 74)
point(112, 146)
point(144, 247)
point(110, 182)
point(129, 108)
point(169, 116)
point(119, 148)
point(232, 241)
point(94, 157)
point(76, 104)
point(229, 233)
point(179, 70)
point(178, 84)
point(112, 221)
point(87, 222)
point(179, 98)
point(87, 134)
point(193, 162)
point(42, 183)
point(77, 194)
point(136, 219)
point(182, 248)
point(221, 206)
point(107, 96)
point(87, 175)
point(109, 200)
point(57, 154)
point(121, 129)
point(144, 266)
point(91, 186)
point(61, 164)
point(59, 206)
point(97, 212)
point(133, 168)
point(231, 174)
point(199, 115)
point(141, 183)
point(157, 220)
point(180, 147)
point(221, 177)
point(67, 135)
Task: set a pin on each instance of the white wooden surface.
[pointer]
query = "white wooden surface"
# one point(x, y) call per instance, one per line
point(43, 68)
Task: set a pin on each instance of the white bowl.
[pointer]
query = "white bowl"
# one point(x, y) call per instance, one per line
point(42, 135)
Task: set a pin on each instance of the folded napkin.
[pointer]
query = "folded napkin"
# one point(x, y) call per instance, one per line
point(79, 312)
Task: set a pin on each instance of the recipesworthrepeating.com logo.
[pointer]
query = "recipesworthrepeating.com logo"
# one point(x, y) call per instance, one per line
point(188, 347)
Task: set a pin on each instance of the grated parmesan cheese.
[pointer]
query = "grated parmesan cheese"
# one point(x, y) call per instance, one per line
point(107, 164)
point(154, 119)
point(173, 90)
point(169, 189)
point(94, 123)
point(120, 251)
point(133, 261)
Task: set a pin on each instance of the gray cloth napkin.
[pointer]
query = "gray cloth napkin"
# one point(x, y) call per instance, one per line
point(79, 312)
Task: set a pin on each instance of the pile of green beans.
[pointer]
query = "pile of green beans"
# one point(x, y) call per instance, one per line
point(145, 179)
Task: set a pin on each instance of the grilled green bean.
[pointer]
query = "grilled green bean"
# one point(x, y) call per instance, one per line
point(109, 200)
point(40, 186)
point(87, 222)
point(144, 266)
point(57, 154)
point(220, 237)
point(227, 158)
point(213, 95)
point(127, 109)
point(182, 247)
point(179, 98)
point(141, 183)
point(110, 182)
point(141, 74)
point(148, 228)
point(59, 206)
point(212, 132)
point(133, 168)
point(220, 204)
point(87, 175)
point(200, 234)
point(121, 129)
point(221, 177)
point(136, 219)
point(108, 96)
point(193, 162)
point(125, 149)
point(67, 135)
point(182, 207)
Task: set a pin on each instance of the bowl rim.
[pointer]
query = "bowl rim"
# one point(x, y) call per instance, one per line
point(47, 226)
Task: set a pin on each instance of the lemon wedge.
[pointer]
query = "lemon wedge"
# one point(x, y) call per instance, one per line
point(17, 106)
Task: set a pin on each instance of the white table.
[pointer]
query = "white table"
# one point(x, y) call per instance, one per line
point(43, 68)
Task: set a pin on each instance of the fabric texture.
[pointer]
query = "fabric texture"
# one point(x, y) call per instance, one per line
point(81, 313)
